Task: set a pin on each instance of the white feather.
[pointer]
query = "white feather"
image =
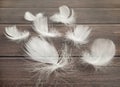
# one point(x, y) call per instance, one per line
point(14, 34)
point(41, 27)
point(30, 17)
point(65, 15)
point(46, 56)
point(102, 52)
point(79, 35)
point(40, 50)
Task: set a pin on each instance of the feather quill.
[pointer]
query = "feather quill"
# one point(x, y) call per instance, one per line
point(79, 35)
point(41, 27)
point(102, 53)
point(65, 15)
point(46, 56)
point(30, 17)
point(14, 34)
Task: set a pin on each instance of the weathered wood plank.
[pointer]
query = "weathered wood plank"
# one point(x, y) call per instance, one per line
point(85, 84)
point(9, 48)
point(102, 15)
point(56, 3)
point(20, 62)
point(84, 15)
point(12, 71)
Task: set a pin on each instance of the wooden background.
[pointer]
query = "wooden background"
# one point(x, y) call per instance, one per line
point(102, 15)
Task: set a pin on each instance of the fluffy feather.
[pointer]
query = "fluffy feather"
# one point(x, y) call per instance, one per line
point(65, 15)
point(41, 27)
point(14, 34)
point(102, 52)
point(40, 50)
point(46, 56)
point(30, 17)
point(79, 35)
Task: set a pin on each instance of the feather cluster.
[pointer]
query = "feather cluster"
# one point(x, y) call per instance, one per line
point(65, 15)
point(14, 34)
point(46, 57)
point(79, 35)
point(40, 23)
point(41, 27)
point(30, 17)
point(40, 50)
point(102, 52)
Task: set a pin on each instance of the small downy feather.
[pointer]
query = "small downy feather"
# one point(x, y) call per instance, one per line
point(30, 17)
point(46, 57)
point(41, 27)
point(65, 15)
point(14, 34)
point(102, 53)
point(79, 35)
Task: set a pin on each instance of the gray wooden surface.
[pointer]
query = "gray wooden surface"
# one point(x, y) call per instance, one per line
point(102, 15)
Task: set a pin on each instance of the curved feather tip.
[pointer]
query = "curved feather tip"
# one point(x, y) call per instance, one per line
point(65, 15)
point(30, 17)
point(14, 34)
point(102, 53)
point(41, 27)
point(79, 35)
point(46, 55)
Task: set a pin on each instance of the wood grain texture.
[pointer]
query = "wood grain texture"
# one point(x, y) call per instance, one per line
point(57, 3)
point(83, 15)
point(13, 71)
point(98, 31)
point(101, 15)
